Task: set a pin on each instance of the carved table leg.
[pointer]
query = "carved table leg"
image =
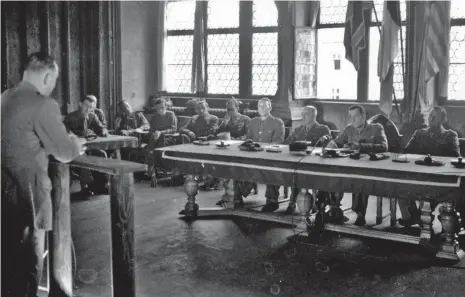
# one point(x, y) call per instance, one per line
point(304, 201)
point(61, 283)
point(427, 221)
point(449, 222)
point(191, 188)
point(122, 234)
point(118, 153)
point(229, 191)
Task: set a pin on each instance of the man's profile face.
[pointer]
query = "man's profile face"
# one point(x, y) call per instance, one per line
point(161, 108)
point(264, 108)
point(201, 109)
point(435, 118)
point(86, 107)
point(356, 118)
point(126, 108)
point(50, 80)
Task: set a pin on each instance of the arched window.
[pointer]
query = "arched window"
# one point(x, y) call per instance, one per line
point(242, 47)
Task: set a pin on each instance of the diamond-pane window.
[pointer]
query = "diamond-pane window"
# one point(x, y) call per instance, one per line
point(178, 53)
point(379, 6)
point(337, 77)
point(456, 86)
point(398, 79)
point(265, 13)
point(223, 14)
point(457, 9)
point(264, 63)
point(180, 15)
point(305, 63)
point(333, 11)
point(223, 63)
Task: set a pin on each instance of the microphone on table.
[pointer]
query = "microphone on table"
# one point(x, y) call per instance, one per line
point(323, 140)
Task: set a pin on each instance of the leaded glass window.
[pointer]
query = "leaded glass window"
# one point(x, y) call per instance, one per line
point(264, 63)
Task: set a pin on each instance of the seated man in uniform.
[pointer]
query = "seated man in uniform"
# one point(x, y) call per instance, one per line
point(130, 121)
point(234, 122)
point(311, 131)
point(366, 138)
point(434, 140)
point(202, 124)
point(237, 125)
point(98, 112)
point(163, 122)
point(83, 122)
point(265, 128)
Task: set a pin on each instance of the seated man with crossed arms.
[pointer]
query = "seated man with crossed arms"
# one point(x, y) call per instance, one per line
point(203, 124)
point(311, 131)
point(366, 138)
point(130, 121)
point(436, 141)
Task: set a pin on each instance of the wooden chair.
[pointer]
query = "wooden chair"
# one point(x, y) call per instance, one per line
point(394, 141)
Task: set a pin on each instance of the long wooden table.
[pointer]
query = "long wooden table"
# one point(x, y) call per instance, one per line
point(381, 178)
point(112, 142)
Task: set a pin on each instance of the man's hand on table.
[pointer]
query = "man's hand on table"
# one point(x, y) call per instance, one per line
point(79, 143)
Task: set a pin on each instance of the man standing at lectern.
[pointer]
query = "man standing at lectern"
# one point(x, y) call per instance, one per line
point(31, 131)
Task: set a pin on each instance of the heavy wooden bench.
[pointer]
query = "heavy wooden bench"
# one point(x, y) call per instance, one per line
point(122, 223)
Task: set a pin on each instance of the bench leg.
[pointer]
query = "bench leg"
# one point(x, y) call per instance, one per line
point(61, 278)
point(122, 234)
point(379, 210)
point(393, 207)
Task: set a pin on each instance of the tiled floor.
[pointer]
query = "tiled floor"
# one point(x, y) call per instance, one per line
point(220, 257)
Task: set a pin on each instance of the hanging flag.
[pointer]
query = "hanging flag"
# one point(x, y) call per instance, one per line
point(355, 30)
point(437, 43)
point(389, 41)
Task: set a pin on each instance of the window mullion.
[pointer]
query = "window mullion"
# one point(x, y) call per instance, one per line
point(245, 48)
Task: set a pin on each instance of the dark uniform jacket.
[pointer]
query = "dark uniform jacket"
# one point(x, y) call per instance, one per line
point(101, 117)
point(31, 131)
point(371, 138)
point(302, 133)
point(202, 125)
point(134, 121)
point(436, 142)
point(83, 126)
point(238, 126)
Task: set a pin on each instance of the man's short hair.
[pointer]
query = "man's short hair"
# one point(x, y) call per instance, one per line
point(265, 100)
point(234, 101)
point(90, 98)
point(360, 109)
point(202, 102)
point(159, 101)
point(40, 61)
point(315, 111)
